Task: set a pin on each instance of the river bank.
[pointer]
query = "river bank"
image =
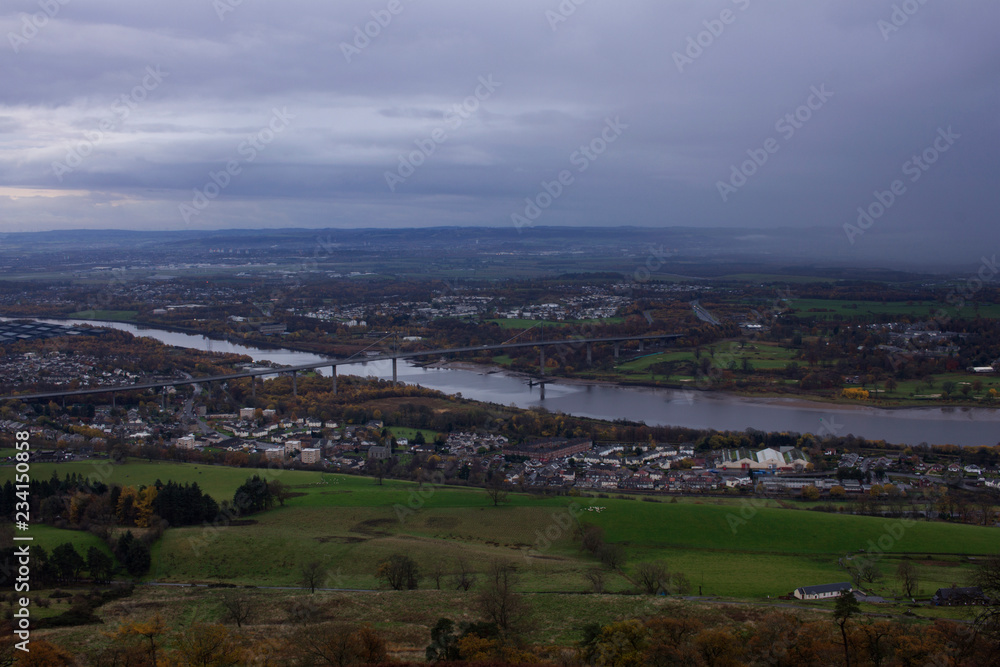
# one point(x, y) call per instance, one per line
point(655, 406)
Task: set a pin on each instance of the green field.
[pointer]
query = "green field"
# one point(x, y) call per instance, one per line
point(828, 308)
point(350, 523)
point(111, 315)
point(411, 433)
point(219, 481)
point(48, 538)
point(761, 356)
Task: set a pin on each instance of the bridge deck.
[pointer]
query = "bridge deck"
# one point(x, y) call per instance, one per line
point(334, 362)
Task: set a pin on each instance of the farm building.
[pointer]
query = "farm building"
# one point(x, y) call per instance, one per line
point(824, 592)
point(960, 597)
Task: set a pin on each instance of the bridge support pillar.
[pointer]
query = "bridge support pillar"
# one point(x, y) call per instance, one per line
point(394, 370)
point(541, 390)
point(590, 355)
point(112, 400)
point(295, 385)
point(641, 346)
point(617, 348)
point(333, 374)
point(541, 361)
point(208, 390)
point(163, 401)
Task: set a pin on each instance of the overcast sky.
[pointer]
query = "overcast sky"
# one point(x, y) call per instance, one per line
point(115, 114)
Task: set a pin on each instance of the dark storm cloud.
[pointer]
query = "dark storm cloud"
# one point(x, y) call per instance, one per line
point(698, 84)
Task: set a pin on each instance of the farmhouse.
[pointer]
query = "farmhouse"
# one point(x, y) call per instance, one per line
point(959, 597)
point(824, 592)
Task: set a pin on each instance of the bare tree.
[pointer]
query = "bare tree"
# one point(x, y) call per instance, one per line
point(498, 601)
point(596, 579)
point(987, 577)
point(593, 538)
point(399, 572)
point(865, 571)
point(612, 555)
point(436, 572)
point(238, 607)
point(681, 583)
point(279, 491)
point(464, 578)
point(652, 576)
point(313, 574)
point(986, 501)
point(906, 574)
point(303, 610)
point(497, 487)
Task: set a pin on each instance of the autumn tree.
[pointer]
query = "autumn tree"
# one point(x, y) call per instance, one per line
point(340, 644)
point(718, 647)
point(210, 645)
point(621, 643)
point(810, 493)
point(143, 506)
point(134, 636)
point(44, 654)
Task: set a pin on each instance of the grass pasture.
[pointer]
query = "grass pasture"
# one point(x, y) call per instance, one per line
point(109, 315)
point(829, 308)
point(350, 523)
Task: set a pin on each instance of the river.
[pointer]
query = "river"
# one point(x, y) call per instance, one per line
point(660, 407)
